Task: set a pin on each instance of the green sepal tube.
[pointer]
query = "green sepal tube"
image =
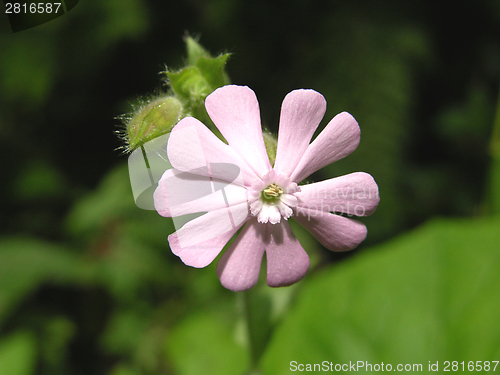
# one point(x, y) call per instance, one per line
point(271, 144)
point(152, 120)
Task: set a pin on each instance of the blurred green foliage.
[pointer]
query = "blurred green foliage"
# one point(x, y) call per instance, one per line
point(88, 284)
point(430, 295)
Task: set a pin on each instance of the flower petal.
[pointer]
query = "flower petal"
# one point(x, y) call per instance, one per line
point(287, 261)
point(212, 224)
point(269, 213)
point(335, 232)
point(235, 112)
point(339, 138)
point(239, 266)
point(181, 193)
point(193, 148)
point(353, 194)
point(301, 113)
point(201, 254)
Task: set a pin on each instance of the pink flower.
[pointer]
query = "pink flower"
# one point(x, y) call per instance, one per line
point(236, 186)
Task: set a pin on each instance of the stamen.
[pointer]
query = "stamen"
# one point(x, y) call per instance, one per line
point(273, 190)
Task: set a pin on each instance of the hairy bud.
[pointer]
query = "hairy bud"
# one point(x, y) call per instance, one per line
point(152, 120)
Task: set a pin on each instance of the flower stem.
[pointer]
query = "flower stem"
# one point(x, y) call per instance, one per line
point(145, 155)
point(247, 316)
point(256, 312)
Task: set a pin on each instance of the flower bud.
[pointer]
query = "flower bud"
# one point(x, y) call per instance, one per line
point(195, 51)
point(152, 120)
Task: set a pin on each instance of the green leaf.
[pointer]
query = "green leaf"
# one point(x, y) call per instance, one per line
point(26, 263)
point(112, 200)
point(46, 178)
point(429, 295)
point(56, 336)
point(204, 344)
point(130, 266)
point(18, 354)
point(494, 193)
point(123, 369)
point(123, 330)
point(27, 71)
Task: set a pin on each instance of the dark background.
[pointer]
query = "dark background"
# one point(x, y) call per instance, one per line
point(421, 78)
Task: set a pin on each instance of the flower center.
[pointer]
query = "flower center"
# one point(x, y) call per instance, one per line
point(272, 193)
point(272, 198)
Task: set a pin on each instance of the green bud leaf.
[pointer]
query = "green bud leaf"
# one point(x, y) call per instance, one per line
point(152, 120)
point(203, 75)
point(194, 83)
point(189, 84)
point(188, 89)
point(195, 51)
point(213, 70)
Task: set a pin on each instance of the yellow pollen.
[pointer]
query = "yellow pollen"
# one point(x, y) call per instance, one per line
point(273, 190)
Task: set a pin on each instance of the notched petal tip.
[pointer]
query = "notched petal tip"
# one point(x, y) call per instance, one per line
point(191, 256)
point(301, 113)
point(201, 254)
point(235, 112)
point(292, 276)
point(287, 261)
point(335, 232)
point(238, 268)
point(160, 197)
point(337, 140)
